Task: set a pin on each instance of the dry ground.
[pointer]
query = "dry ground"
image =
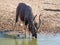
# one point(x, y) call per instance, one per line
point(50, 20)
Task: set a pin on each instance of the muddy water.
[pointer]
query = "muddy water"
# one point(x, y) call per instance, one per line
point(42, 39)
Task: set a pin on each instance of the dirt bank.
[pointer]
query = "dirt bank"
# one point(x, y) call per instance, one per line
point(50, 20)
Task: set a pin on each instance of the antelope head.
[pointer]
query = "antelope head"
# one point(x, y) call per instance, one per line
point(35, 26)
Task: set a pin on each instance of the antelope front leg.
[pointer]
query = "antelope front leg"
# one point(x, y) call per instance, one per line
point(29, 34)
point(25, 28)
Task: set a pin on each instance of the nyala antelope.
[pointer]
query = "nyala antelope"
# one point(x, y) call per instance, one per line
point(24, 12)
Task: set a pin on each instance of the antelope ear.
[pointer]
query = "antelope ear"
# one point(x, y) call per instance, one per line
point(34, 17)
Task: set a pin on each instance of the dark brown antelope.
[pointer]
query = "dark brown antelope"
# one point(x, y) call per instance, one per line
point(24, 12)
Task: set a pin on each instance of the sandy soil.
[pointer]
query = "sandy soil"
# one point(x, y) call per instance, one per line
point(50, 20)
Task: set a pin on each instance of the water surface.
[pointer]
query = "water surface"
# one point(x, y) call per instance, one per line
point(42, 39)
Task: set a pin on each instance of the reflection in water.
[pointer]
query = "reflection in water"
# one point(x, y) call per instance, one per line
point(29, 42)
point(41, 40)
point(16, 42)
point(32, 42)
point(23, 42)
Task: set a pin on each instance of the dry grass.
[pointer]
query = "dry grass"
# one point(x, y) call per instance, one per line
point(50, 20)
